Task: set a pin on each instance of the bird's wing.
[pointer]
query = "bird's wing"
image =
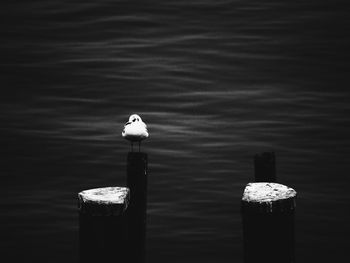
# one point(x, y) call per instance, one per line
point(127, 123)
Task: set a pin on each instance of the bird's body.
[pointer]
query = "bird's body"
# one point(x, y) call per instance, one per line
point(135, 130)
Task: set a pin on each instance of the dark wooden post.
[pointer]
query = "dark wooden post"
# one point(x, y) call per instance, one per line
point(265, 167)
point(137, 183)
point(268, 223)
point(103, 224)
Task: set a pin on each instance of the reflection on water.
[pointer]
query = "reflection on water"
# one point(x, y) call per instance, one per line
point(216, 83)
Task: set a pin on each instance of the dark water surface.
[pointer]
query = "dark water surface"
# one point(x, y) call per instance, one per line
point(216, 82)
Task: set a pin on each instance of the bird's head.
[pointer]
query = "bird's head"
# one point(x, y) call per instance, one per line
point(134, 117)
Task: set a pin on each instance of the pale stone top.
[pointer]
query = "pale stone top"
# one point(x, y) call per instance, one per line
point(107, 201)
point(106, 195)
point(267, 192)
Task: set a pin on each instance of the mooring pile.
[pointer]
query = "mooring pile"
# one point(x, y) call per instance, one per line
point(112, 220)
point(268, 215)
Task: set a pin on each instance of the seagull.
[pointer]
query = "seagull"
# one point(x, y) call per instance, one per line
point(135, 130)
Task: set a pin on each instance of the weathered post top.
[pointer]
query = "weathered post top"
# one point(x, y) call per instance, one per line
point(265, 197)
point(107, 201)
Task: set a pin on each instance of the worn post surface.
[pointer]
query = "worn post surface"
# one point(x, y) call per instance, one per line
point(268, 223)
point(265, 167)
point(103, 224)
point(137, 168)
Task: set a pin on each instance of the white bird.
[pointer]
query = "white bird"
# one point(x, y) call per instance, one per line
point(135, 130)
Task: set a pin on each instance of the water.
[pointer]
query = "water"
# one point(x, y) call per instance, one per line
point(216, 82)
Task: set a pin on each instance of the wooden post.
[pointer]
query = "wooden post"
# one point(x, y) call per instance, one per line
point(103, 224)
point(265, 167)
point(268, 223)
point(137, 183)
